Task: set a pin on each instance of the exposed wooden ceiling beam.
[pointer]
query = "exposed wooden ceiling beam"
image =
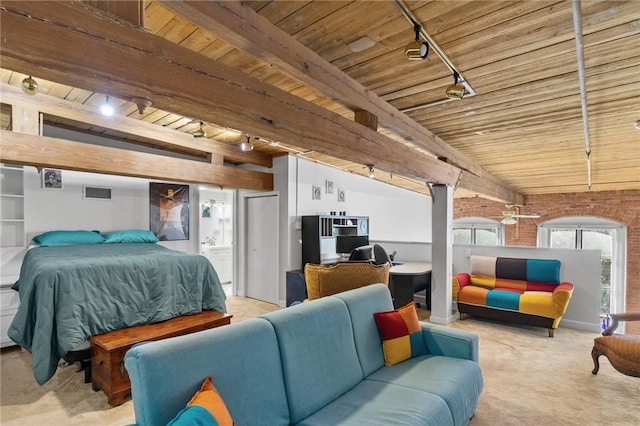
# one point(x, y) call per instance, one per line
point(42, 151)
point(149, 132)
point(248, 31)
point(111, 57)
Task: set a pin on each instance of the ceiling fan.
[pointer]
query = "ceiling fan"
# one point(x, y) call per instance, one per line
point(509, 217)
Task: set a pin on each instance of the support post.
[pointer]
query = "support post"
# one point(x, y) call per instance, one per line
point(441, 254)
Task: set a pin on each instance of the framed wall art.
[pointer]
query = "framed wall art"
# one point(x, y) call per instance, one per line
point(52, 178)
point(316, 193)
point(169, 211)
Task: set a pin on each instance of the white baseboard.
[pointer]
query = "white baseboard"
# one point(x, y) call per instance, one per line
point(580, 325)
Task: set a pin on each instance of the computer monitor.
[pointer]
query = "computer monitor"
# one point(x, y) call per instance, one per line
point(345, 244)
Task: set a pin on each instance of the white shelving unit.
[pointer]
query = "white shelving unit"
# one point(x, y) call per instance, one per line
point(12, 243)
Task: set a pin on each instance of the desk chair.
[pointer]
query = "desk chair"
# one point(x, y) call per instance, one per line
point(325, 280)
point(380, 255)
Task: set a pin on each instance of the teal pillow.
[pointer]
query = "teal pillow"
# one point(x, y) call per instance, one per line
point(67, 238)
point(131, 236)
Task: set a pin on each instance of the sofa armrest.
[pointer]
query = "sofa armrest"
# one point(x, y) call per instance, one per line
point(561, 296)
point(458, 281)
point(449, 341)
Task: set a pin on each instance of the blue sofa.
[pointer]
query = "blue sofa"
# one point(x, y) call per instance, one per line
point(317, 363)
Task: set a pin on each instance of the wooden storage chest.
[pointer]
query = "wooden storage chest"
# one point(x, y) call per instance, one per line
point(108, 350)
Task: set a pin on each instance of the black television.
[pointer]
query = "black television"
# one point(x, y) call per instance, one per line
point(345, 244)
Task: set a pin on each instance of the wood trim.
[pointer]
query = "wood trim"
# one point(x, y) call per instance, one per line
point(42, 151)
point(175, 79)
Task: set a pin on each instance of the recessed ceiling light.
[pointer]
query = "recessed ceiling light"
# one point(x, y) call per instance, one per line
point(361, 44)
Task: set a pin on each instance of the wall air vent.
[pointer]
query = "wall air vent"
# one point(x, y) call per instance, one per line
point(96, 192)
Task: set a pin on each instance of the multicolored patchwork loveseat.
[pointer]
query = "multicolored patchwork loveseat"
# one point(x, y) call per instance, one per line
point(524, 291)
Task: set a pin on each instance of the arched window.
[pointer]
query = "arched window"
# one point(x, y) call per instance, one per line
point(478, 231)
point(592, 233)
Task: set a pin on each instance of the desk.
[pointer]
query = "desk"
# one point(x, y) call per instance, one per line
point(408, 278)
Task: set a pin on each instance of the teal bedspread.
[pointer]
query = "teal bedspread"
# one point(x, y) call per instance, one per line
point(70, 293)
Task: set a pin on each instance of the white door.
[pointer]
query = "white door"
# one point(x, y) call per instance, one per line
point(262, 248)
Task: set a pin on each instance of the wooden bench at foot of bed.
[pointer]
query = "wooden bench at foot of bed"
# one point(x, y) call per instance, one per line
point(108, 350)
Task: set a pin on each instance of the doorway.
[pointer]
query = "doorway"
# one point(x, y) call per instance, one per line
point(216, 232)
point(262, 248)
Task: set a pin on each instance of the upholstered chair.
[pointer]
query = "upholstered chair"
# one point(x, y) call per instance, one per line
point(325, 280)
point(623, 351)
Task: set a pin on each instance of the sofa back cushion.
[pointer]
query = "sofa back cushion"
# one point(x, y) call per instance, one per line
point(318, 352)
point(509, 272)
point(243, 359)
point(362, 304)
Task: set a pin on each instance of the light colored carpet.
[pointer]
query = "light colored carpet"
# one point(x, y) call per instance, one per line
point(529, 379)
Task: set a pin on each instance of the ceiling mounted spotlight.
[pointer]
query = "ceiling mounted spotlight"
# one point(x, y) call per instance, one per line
point(106, 109)
point(29, 86)
point(417, 50)
point(199, 132)
point(372, 172)
point(246, 146)
point(455, 91)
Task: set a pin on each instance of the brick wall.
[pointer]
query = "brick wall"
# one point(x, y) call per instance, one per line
point(619, 206)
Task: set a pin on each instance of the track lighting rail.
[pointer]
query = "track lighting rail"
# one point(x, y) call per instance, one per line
point(443, 57)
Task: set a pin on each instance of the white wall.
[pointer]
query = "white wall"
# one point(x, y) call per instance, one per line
point(579, 267)
point(395, 214)
point(52, 209)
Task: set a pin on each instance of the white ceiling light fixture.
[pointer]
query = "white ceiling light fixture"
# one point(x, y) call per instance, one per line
point(106, 109)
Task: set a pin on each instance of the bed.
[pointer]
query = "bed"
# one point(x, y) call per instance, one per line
point(68, 293)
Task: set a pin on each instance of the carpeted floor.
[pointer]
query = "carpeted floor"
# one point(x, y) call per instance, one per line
point(529, 379)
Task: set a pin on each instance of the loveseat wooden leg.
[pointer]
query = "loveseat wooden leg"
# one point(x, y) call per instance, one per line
point(462, 316)
point(551, 332)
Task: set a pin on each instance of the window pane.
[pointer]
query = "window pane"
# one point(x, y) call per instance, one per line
point(598, 239)
point(563, 239)
point(487, 237)
point(462, 236)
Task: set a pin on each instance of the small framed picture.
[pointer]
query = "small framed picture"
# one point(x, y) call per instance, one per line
point(341, 196)
point(52, 178)
point(317, 193)
point(328, 186)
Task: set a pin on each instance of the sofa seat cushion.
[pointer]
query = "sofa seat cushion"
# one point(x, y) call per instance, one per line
point(374, 403)
point(539, 303)
point(457, 381)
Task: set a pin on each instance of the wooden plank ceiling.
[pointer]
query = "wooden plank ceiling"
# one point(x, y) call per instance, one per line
point(523, 128)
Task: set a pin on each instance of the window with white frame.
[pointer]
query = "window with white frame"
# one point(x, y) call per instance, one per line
point(592, 233)
point(478, 231)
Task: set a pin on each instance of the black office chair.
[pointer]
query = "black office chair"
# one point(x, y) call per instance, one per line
point(360, 254)
point(380, 255)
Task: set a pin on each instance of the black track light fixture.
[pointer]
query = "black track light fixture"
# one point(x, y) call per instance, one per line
point(456, 91)
point(416, 50)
